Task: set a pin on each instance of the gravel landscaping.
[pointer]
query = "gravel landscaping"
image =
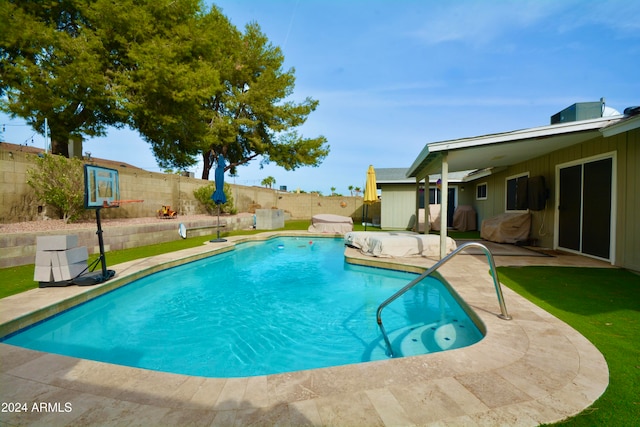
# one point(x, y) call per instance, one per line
point(58, 224)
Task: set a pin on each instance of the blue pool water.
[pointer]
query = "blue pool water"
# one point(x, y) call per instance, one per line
point(267, 307)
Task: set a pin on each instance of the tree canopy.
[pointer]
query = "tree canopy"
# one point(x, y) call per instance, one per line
point(186, 79)
point(52, 67)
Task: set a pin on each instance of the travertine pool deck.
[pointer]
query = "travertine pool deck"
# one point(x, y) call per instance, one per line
point(531, 370)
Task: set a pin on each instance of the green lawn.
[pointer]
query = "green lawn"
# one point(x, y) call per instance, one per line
point(602, 304)
point(20, 279)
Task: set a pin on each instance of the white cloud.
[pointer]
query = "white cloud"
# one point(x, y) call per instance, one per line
point(622, 17)
point(480, 22)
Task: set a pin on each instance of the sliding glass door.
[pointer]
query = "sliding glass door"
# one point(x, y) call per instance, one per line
point(585, 207)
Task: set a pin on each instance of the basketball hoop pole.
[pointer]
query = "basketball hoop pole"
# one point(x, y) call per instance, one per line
point(103, 258)
point(93, 278)
point(101, 190)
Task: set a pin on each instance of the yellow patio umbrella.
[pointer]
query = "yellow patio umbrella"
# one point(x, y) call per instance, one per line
point(370, 190)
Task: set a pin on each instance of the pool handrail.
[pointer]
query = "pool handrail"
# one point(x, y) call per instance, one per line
point(494, 273)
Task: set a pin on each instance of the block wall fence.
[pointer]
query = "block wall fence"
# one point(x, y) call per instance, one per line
point(18, 203)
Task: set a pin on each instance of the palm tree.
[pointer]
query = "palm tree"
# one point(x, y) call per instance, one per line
point(350, 189)
point(268, 181)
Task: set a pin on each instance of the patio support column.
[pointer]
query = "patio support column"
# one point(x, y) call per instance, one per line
point(417, 213)
point(444, 205)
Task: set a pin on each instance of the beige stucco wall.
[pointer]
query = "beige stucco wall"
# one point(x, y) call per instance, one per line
point(18, 201)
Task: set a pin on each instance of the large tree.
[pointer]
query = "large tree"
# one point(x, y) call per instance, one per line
point(51, 67)
point(187, 80)
point(69, 61)
point(176, 77)
point(241, 109)
point(251, 116)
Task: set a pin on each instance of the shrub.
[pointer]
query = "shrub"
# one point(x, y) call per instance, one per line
point(203, 195)
point(59, 182)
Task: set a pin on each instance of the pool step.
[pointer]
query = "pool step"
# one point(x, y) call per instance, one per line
point(429, 338)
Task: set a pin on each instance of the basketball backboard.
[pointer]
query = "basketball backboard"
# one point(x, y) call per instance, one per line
point(101, 187)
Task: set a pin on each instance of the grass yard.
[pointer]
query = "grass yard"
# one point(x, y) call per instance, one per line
point(604, 306)
point(20, 279)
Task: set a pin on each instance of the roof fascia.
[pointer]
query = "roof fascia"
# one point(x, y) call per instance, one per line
point(418, 161)
point(523, 134)
point(431, 150)
point(621, 127)
point(433, 166)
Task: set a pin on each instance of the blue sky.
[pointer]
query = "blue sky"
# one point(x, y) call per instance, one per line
point(394, 75)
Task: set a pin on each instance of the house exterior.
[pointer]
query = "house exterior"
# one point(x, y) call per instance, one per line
point(585, 175)
point(400, 199)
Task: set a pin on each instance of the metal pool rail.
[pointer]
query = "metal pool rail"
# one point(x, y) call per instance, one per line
point(503, 308)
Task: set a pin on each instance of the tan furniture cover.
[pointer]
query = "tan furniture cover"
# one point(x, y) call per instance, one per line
point(328, 223)
point(397, 244)
point(362, 239)
point(422, 223)
point(434, 217)
point(464, 218)
point(506, 228)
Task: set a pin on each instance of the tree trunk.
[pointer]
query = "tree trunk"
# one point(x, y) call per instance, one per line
point(206, 165)
point(61, 148)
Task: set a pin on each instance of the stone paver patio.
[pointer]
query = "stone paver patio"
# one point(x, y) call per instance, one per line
point(531, 370)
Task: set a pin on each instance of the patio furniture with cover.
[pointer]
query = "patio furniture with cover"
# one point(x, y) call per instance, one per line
point(329, 223)
point(506, 228)
point(397, 244)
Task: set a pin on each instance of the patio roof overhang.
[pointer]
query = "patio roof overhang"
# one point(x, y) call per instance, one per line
point(498, 151)
point(505, 149)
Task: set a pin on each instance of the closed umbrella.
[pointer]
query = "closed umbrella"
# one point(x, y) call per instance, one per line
point(370, 191)
point(218, 195)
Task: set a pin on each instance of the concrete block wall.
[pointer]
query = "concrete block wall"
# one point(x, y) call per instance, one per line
point(17, 199)
point(20, 248)
point(18, 202)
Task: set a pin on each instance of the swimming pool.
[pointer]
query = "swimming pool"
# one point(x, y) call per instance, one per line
point(282, 305)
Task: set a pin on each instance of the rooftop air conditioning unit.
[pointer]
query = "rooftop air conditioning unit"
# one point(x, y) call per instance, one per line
point(578, 111)
point(584, 111)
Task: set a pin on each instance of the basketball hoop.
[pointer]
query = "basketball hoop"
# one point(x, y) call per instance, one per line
point(101, 190)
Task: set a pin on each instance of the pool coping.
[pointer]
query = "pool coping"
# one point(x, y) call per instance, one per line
point(531, 370)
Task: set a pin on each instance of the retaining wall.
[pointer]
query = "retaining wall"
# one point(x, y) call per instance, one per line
point(20, 248)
